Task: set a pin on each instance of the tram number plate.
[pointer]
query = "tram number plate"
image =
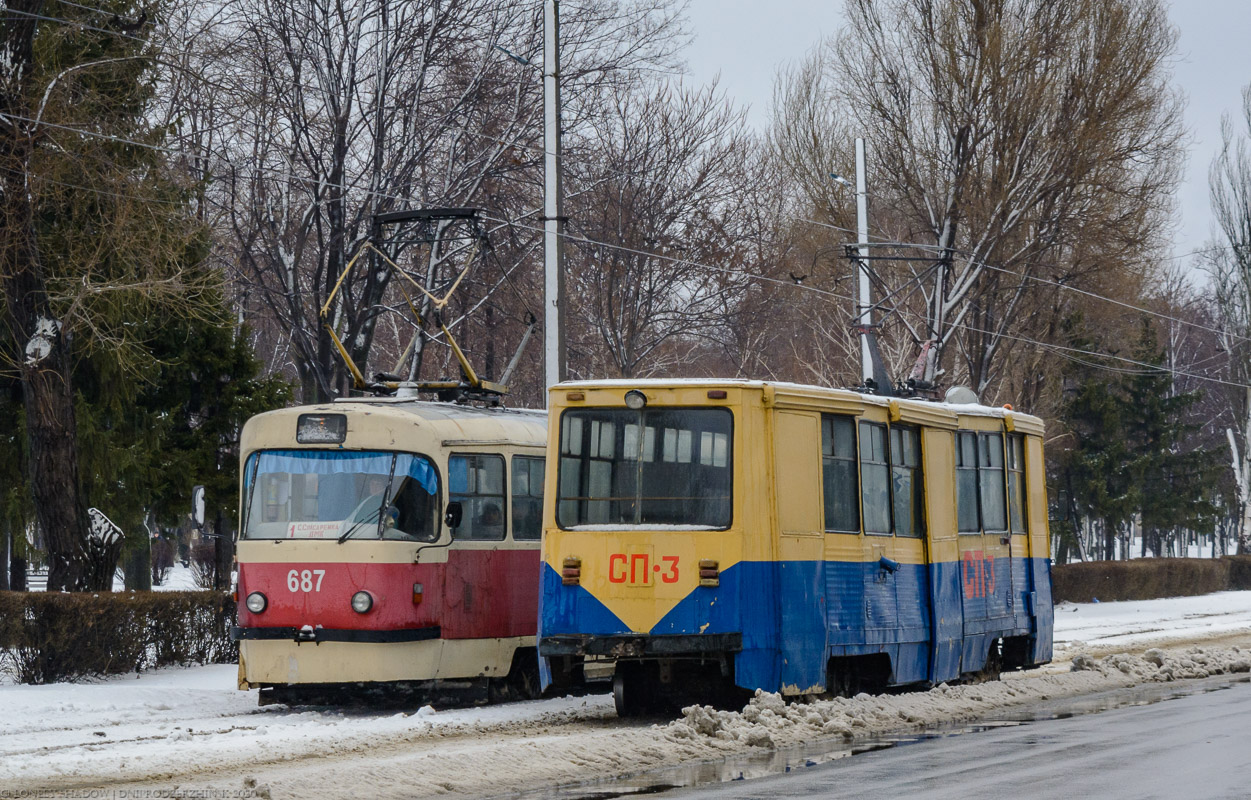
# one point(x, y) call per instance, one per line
point(640, 568)
point(308, 580)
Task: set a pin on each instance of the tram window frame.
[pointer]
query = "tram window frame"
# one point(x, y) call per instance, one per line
point(657, 443)
point(992, 479)
point(909, 438)
point(528, 497)
point(968, 498)
point(388, 495)
point(830, 461)
point(473, 511)
point(880, 467)
point(1014, 467)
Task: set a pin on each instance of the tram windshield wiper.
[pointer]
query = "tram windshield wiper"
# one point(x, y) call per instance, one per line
point(373, 517)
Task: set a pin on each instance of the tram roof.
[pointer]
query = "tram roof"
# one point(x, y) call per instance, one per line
point(447, 421)
point(969, 409)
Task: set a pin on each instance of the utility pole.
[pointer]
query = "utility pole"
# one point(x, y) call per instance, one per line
point(553, 215)
point(862, 230)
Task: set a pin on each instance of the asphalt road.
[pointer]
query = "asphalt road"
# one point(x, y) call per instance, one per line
point(1189, 747)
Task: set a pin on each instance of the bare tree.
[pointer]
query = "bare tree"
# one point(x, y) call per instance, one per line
point(319, 115)
point(1230, 268)
point(654, 266)
point(1011, 139)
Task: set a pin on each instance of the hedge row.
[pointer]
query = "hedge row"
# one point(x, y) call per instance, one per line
point(53, 636)
point(1148, 578)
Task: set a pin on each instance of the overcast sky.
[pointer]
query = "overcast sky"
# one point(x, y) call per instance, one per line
point(746, 41)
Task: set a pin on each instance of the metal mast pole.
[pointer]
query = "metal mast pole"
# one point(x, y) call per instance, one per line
point(553, 217)
point(862, 225)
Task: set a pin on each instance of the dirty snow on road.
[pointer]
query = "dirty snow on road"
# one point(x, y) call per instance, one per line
point(189, 728)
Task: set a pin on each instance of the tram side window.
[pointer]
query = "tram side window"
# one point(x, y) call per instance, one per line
point(991, 482)
point(527, 498)
point(874, 478)
point(906, 484)
point(966, 483)
point(839, 481)
point(477, 483)
point(1016, 482)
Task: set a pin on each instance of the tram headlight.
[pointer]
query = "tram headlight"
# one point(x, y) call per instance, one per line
point(635, 400)
point(256, 602)
point(362, 602)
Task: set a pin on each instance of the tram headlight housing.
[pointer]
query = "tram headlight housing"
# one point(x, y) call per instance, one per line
point(635, 400)
point(256, 602)
point(362, 601)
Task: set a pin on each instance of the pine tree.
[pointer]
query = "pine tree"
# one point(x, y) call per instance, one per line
point(1174, 479)
point(95, 236)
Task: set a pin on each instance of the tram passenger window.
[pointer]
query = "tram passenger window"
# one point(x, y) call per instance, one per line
point(906, 483)
point(477, 483)
point(1016, 482)
point(991, 482)
point(966, 483)
point(839, 481)
point(874, 478)
point(527, 498)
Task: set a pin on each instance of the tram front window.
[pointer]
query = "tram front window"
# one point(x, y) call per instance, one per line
point(340, 494)
point(653, 467)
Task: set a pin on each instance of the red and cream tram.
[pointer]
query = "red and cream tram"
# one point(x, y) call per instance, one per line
point(386, 543)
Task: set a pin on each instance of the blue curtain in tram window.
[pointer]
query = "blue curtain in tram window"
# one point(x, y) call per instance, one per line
point(325, 462)
point(458, 475)
point(419, 469)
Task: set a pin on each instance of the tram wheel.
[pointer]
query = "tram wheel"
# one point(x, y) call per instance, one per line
point(627, 692)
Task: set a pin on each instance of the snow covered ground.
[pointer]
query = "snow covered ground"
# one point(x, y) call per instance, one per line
point(1106, 625)
point(191, 729)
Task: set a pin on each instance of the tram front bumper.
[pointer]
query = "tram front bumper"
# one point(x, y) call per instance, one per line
point(640, 645)
point(311, 634)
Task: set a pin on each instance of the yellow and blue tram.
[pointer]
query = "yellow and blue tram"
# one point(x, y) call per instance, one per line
point(797, 539)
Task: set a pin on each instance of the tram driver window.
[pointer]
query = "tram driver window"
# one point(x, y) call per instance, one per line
point(477, 483)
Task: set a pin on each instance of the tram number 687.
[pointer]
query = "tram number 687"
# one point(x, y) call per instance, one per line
point(308, 580)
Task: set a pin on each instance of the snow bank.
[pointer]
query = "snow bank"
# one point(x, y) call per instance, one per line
point(769, 721)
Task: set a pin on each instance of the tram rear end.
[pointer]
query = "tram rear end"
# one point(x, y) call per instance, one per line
point(648, 573)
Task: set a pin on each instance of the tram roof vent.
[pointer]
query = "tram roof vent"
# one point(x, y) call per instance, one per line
point(960, 395)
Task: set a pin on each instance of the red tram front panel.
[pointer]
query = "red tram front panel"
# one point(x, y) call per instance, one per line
point(479, 593)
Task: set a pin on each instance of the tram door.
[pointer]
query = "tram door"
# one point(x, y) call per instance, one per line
point(984, 539)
